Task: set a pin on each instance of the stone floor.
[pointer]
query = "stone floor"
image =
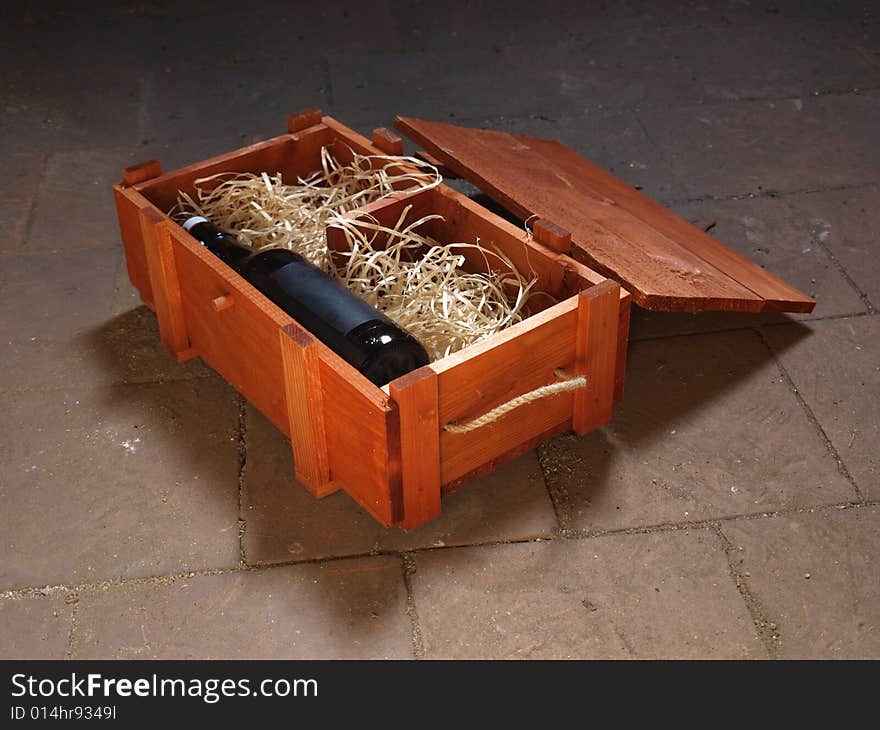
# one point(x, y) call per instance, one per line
point(731, 508)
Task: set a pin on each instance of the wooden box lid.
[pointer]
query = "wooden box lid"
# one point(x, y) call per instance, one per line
point(664, 261)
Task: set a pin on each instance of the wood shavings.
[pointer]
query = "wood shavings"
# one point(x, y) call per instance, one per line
point(415, 280)
point(265, 212)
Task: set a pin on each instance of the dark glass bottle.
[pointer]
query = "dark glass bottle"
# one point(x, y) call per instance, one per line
point(357, 332)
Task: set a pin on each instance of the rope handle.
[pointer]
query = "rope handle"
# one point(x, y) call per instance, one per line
point(569, 382)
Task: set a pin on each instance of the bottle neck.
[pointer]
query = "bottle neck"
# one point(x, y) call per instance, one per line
point(221, 243)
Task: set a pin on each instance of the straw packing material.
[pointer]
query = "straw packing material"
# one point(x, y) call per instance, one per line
point(415, 280)
point(265, 212)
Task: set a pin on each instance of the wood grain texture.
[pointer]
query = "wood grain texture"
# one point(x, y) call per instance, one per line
point(596, 355)
point(301, 120)
point(141, 171)
point(416, 396)
point(241, 342)
point(388, 141)
point(476, 380)
point(552, 236)
point(663, 260)
point(305, 408)
point(165, 284)
point(362, 429)
point(444, 171)
point(129, 203)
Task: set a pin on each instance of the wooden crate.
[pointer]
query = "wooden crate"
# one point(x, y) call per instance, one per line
point(389, 448)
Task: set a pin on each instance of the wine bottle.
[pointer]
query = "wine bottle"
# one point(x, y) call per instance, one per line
point(357, 332)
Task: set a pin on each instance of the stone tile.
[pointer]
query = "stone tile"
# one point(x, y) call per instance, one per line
point(817, 577)
point(353, 609)
point(776, 234)
point(284, 522)
point(118, 482)
point(50, 108)
point(846, 221)
point(708, 428)
point(666, 595)
point(58, 329)
point(51, 296)
point(34, 627)
point(255, 102)
point(837, 372)
point(447, 86)
point(75, 208)
point(747, 147)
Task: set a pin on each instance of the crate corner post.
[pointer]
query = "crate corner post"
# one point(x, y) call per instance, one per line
point(302, 390)
point(417, 397)
point(596, 355)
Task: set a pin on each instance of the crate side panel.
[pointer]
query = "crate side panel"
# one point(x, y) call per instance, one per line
point(517, 361)
point(241, 342)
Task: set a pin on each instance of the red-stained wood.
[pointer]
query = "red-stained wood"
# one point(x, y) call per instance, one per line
point(388, 141)
point(141, 171)
point(165, 284)
point(662, 259)
point(444, 171)
point(416, 396)
point(517, 360)
point(362, 428)
point(129, 204)
point(552, 236)
point(300, 354)
point(595, 355)
point(303, 119)
point(240, 342)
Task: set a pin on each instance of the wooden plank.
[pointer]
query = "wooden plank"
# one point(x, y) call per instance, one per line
point(388, 141)
point(362, 439)
point(269, 156)
point(243, 344)
point(164, 284)
point(141, 171)
point(305, 408)
point(777, 295)
point(476, 380)
point(240, 342)
point(664, 261)
point(416, 395)
point(596, 355)
point(444, 171)
point(129, 204)
point(552, 236)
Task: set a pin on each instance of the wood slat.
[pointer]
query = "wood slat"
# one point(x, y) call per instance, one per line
point(416, 396)
point(664, 261)
point(165, 284)
point(473, 381)
point(305, 407)
point(595, 355)
point(362, 439)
